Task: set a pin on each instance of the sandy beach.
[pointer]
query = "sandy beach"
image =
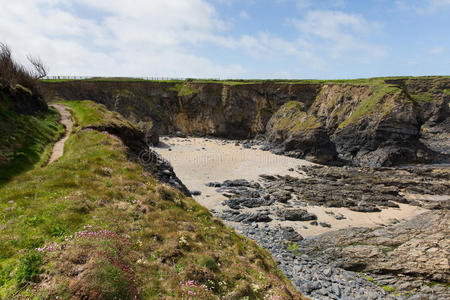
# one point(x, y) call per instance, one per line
point(198, 161)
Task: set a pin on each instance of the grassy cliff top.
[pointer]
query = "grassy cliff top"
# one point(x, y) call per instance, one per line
point(363, 81)
point(94, 224)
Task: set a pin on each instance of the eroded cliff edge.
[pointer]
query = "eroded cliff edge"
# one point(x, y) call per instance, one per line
point(380, 122)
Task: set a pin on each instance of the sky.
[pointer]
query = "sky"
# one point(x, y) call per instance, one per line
point(289, 39)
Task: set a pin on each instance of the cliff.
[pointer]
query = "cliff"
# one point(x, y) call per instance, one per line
point(27, 129)
point(379, 122)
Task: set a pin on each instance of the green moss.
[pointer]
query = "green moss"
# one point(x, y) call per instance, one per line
point(125, 93)
point(183, 89)
point(423, 97)
point(447, 92)
point(388, 288)
point(371, 104)
point(292, 118)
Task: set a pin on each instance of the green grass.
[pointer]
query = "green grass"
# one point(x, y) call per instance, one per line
point(26, 139)
point(92, 114)
point(447, 92)
point(388, 288)
point(149, 238)
point(183, 89)
point(293, 119)
point(233, 82)
point(372, 103)
point(423, 97)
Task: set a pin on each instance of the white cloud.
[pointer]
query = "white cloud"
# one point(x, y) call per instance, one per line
point(339, 34)
point(423, 6)
point(436, 50)
point(142, 39)
point(244, 15)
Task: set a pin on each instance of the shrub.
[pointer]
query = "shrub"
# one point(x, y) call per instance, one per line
point(13, 73)
point(209, 262)
point(29, 268)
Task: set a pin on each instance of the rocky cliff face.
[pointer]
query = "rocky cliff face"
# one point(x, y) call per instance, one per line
point(239, 111)
point(385, 123)
point(377, 125)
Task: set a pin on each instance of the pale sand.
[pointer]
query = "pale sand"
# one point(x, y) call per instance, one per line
point(220, 161)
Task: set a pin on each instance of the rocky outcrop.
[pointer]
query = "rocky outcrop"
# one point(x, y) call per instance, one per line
point(378, 123)
point(22, 100)
point(229, 111)
point(295, 132)
point(409, 251)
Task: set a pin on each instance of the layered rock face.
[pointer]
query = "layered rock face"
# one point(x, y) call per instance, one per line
point(375, 125)
point(300, 134)
point(385, 123)
point(229, 111)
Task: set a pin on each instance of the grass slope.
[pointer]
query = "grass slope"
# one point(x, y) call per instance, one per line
point(24, 138)
point(93, 225)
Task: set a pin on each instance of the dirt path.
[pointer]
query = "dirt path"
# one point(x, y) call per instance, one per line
point(66, 120)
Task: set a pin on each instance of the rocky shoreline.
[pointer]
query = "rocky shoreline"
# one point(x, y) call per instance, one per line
point(405, 259)
point(337, 232)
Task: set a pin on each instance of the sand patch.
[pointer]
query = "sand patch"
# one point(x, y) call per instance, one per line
point(198, 161)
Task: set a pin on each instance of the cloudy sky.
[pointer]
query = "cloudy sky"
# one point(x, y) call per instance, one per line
point(232, 38)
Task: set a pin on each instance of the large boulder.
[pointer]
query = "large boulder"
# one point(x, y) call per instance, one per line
point(299, 134)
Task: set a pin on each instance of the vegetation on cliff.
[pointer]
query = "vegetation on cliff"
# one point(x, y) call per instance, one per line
point(94, 224)
point(25, 139)
point(27, 127)
point(372, 104)
point(294, 119)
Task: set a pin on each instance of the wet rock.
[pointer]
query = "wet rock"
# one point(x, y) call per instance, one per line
point(238, 203)
point(290, 234)
point(296, 214)
point(365, 208)
point(236, 183)
point(236, 216)
point(324, 224)
point(282, 196)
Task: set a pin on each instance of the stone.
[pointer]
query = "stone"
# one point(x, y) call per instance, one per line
point(296, 215)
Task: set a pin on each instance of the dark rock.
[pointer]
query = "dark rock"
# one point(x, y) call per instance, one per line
point(235, 183)
point(296, 215)
point(309, 138)
point(290, 234)
point(282, 196)
point(180, 134)
point(365, 208)
point(238, 203)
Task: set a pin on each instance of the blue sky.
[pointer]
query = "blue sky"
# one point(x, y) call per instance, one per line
point(232, 38)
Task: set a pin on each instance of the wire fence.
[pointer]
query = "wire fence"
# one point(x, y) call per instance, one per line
point(64, 77)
